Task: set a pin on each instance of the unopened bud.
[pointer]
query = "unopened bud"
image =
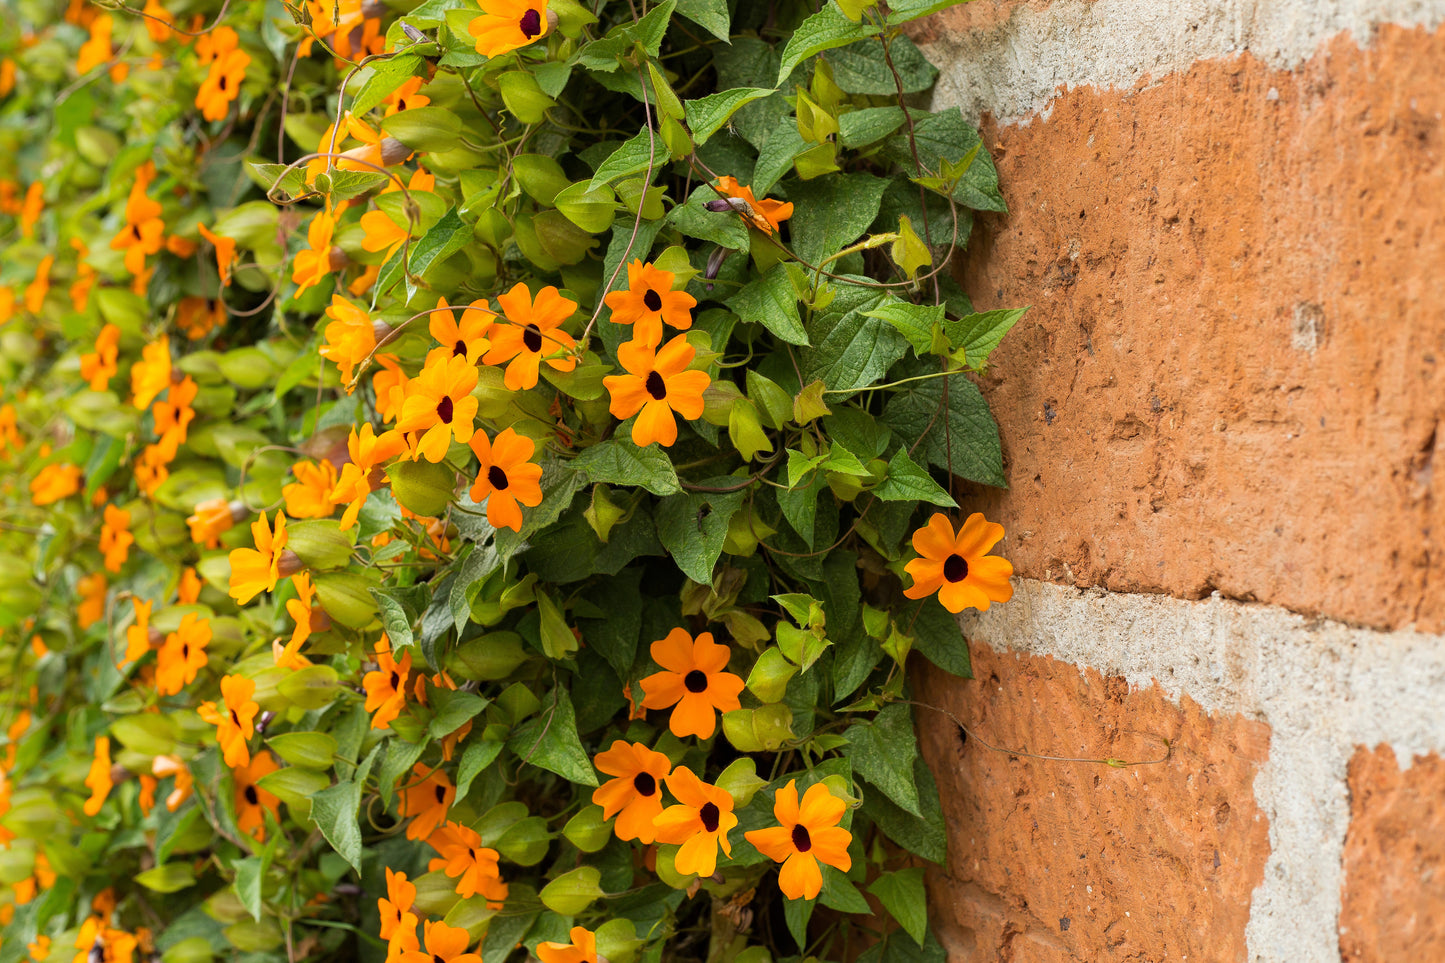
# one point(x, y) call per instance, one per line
point(336, 259)
point(289, 563)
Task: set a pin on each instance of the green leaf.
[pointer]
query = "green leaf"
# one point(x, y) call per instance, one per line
point(907, 482)
point(947, 137)
point(445, 238)
point(800, 506)
point(549, 740)
point(851, 350)
point(797, 912)
point(922, 836)
point(384, 77)
point(425, 128)
point(706, 115)
point(860, 128)
point(277, 177)
point(776, 157)
point(883, 752)
point(862, 69)
point(309, 750)
point(620, 462)
point(937, 637)
point(334, 809)
point(963, 440)
point(824, 30)
point(395, 619)
point(482, 562)
point(632, 157)
point(978, 334)
point(771, 301)
point(841, 895)
point(453, 710)
point(711, 15)
point(251, 874)
point(833, 212)
point(170, 878)
point(693, 528)
point(476, 757)
point(902, 895)
point(916, 322)
point(913, 10)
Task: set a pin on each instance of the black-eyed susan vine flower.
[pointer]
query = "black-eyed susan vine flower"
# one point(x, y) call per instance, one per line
point(693, 682)
point(657, 387)
point(807, 834)
point(957, 565)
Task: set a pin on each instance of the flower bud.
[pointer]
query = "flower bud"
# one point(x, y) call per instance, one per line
point(571, 893)
point(769, 678)
point(587, 830)
point(318, 543)
point(423, 487)
point(346, 597)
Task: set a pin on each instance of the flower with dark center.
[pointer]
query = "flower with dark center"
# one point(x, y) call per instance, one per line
point(808, 834)
point(700, 822)
point(649, 302)
point(632, 794)
point(694, 679)
point(507, 478)
point(957, 565)
point(657, 385)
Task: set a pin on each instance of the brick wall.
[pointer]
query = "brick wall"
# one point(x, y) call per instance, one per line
point(1221, 422)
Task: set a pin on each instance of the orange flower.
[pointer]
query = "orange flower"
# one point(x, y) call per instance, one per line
point(36, 291)
point(96, 50)
point(163, 766)
point(533, 333)
point(150, 469)
point(147, 798)
point(649, 302)
point(223, 84)
point(444, 944)
point(471, 864)
point(253, 802)
point(310, 266)
point(700, 822)
point(188, 587)
point(693, 678)
point(305, 618)
point(310, 496)
point(507, 25)
point(85, 277)
point(467, 339)
point(9, 433)
point(91, 589)
point(173, 416)
point(439, 403)
point(152, 373)
point(382, 233)
point(225, 252)
point(386, 687)
point(237, 723)
point(138, 633)
point(211, 518)
point(426, 801)
point(100, 367)
point(54, 482)
point(389, 386)
point(31, 208)
point(765, 215)
point(809, 834)
point(636, 792)
point(657, 384)
point(367, 453)
point(350, 337)
point(582, 949)
point(257, 570)
point(182, 654)
point(196, 317)
point(214, 43)
point(115, 537)
point(99, 779)
point(959, 568)
point(507, 476)
point(157, 20)
point(144, 231)
point(395, 908)
point(406, 97)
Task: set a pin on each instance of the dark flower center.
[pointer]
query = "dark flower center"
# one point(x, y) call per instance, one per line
point(223, 83)
point(531, 24)
point(251, 796)
point(532, 336)
point(651, 299)
point(498, 478)
point(460, 348)
point(235, 718)
point(436, 958)
point(955, 568)
point(441, 793)
point(802, 842)
point(696, 681)
point(395, 680)
point(655, 385)
point(135, 231)
point(185, 650)
point(645, 784)
point(444, 410)
point(709, 816)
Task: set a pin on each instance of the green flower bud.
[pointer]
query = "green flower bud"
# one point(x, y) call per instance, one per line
point(524, 98)
point(319, 543)
point(741, 781)
point(314, 687)
point(756, 730)
point(588, 831)
point(769, 678)
point(571, 893)
point(526, 842)
point(196, 949)
point(346, 597)
point(423, 487)
point(489, 657)
point(309, 750)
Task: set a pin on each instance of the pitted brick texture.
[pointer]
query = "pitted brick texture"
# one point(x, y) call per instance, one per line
point(1233, 376)
point(1066, 861)
point(1393, 899)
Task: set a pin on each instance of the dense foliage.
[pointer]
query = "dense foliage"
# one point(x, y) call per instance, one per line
point(473, 478)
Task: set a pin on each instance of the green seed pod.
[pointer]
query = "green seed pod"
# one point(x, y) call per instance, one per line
point(423, 487)
point(571, 893)
point(588, 831)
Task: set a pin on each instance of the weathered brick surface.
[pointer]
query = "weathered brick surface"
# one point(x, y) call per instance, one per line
point(1233, 376)
point(1393, 898)
point(1067, 861)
